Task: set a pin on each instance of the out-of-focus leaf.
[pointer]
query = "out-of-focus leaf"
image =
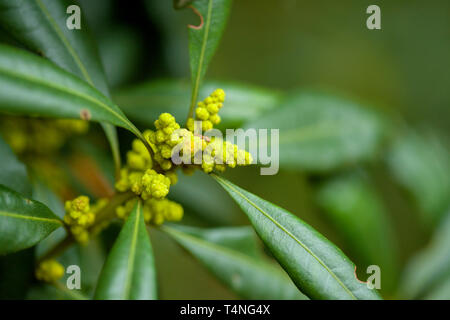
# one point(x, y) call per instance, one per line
point(241, 239)
point(72, 50)
point(318, 268)
point(421, 164)
point(426, 273)
point(360, 216)
point(204, 39)
point(179, 4)
point(319, 132)
point(13, 173)
point(43, 194)
point(249, 277)
point(33, 85)
point(23, 222)
point(121, 53)
point(129, 271)
point(145, 102)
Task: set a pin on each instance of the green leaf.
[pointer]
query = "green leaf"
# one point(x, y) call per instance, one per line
point(318, 268)
point(204, 39)
point(145, 102)
point(72, 50)
point(420, 163)
point(427, 272)
point(23, 222)
point(13, 173)
point(360, 216)
point(34, 86)
point(241, 239)
point(249, 277)
point(319, 132)
point(129, 271)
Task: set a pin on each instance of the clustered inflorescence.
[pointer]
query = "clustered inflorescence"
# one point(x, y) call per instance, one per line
point(80, 216)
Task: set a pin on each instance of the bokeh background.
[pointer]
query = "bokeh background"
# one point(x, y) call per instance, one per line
point(402, 71)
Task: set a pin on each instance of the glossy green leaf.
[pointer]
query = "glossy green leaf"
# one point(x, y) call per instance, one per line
point(129, 272)
point(145, 102)
point(319, 132)
point(72, 50)
point(250, 277)
point(34, 86)
point(13, 173)
point(204, 38)
point(318, 268)
point(427, 272)
point(358, 213)
point(420, 162)
point(23, 222)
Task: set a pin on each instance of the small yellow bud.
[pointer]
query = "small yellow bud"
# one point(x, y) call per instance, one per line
point(202, 113)
point(215, 119)
point(50, 271)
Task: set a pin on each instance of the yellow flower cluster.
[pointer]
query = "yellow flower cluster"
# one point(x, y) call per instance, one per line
point(150, 176)
point(49, 271)
point(80, 216)
point(207, 111)
point(39, 136)
point(220, 154)
point(155, 211)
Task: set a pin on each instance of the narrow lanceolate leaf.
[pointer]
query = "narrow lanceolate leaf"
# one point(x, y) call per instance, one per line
point(72, 50)
point(360, 216)
point(420, 162)
point(143, 103)
point(319, 132)
point(242, 239)
point(204, 38)
point(23, 222)
point(129, 271)
point(249, 277)
point(427, 275)
point(318, 268)
point(13, 173)
point(34, 86)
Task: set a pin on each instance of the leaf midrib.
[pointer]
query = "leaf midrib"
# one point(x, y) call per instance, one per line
point(25, 217)
point(202, 54)
point(289, 234)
